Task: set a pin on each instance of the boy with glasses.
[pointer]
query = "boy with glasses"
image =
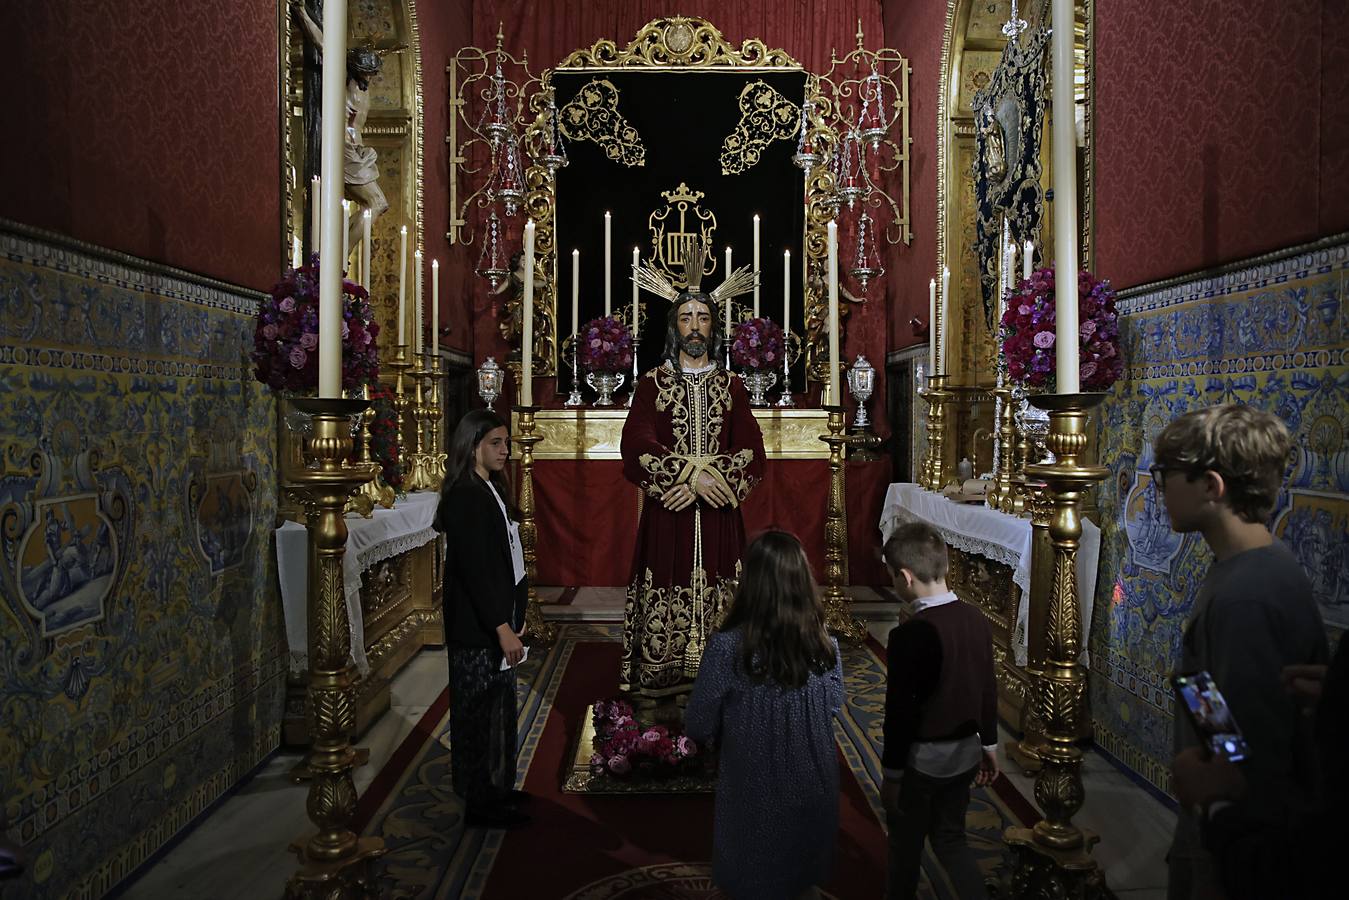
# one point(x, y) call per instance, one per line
point(1219, 471)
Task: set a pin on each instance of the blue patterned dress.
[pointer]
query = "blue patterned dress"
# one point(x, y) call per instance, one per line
point(777, 788)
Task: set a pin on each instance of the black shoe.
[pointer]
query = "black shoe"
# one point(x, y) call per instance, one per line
point(501, 817)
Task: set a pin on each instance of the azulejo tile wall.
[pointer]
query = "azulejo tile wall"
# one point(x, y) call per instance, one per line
point(1273, 335)
point(141, 648)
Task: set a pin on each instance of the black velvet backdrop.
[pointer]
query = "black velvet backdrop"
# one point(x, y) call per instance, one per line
point(682, 119)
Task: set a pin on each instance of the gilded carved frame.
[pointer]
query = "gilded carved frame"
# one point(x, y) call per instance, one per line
point(677, 43)
point(954, 126)
point(396, 129)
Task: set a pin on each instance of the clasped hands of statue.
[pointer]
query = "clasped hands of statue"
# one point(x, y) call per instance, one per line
point(704, 487)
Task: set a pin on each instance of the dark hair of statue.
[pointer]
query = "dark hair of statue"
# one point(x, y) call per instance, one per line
point(714, 339)
point(459, 463)
point(783, 638)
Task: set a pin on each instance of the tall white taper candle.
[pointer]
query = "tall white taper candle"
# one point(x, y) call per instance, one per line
point(575, 292)
point(944, 347)
point(756, 265)
point(726, 337)
point(527, 329)
point(932, 327)
point(835, 398)
point(402, 285)
point(315, 219)
point(346, 227)
point(1064, 153)
point(786, 293)
point(608, 265)
point(365, 248)
point(1027, 258)
point(434, 343)
point(417, 301)
point(636, 260)
point(334, 104)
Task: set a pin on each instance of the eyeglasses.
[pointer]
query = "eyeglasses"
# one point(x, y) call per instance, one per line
point(1158, 474)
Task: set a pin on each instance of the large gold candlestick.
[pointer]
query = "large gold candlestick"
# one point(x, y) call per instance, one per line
point(1015, 500)
point(402, 401)
point(374, 492)
point(334, 861)
point(536, 626)
point(838, 616)
point(1005, 436)
point(421, 479)
point(1053, 858)
point(934, 466)
point(435, 455)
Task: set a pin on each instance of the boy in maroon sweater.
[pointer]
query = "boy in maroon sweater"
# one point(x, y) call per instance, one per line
point(940, 717)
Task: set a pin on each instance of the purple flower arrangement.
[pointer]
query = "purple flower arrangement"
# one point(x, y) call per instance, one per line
point(757, 345)
point(1027, 332)
point(286, 337)
point(606, 345)
point(625, 748)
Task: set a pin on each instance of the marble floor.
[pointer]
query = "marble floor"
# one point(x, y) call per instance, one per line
point(239, 850)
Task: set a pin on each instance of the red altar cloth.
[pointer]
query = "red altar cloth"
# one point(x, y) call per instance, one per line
point(586, 515)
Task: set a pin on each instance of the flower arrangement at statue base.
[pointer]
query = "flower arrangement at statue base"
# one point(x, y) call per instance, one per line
point(758, 349)
point(625, 748)
point(605, 355)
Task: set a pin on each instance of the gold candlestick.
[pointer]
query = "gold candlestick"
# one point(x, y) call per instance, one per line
point(1005, 436)
point(401, 403)
point(934, 467)
point(374, 492)
point(838, 616)
point(421, 479)
point(1053, 858)
point(334, 862)
point(536, 626)
point(435, 456)
point(1026, 752)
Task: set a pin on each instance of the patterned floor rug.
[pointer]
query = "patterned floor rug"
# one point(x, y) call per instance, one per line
point(633, 847)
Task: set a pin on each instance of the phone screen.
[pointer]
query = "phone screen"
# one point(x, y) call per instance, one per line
point(1211, 716)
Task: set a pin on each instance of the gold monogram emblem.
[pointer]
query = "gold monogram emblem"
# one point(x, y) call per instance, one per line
point(674, 230)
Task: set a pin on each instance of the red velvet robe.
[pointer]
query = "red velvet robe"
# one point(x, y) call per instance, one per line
point(686, 563)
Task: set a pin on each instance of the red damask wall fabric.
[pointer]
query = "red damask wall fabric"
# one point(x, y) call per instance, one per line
point(150, 129)
point(1220, 132)
point(445, 26)
point(914, 27)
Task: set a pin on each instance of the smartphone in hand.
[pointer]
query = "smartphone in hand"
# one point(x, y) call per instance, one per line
point(1210, 715)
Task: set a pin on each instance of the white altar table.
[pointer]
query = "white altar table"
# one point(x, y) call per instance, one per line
point(387, 533)
point(998, 536)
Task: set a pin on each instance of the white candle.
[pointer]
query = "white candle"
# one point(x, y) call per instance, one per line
point(756, 265)
point(402, 285)
point(527, 336)
point(1027, 256)
point(295, 252)
point(334, 102)
point(636, 260)
point(576, 292)
point(346, 225)
point(786, 293)
point(932, 326)
point(608, 265)
point(1064, 151)
point(417, 301)
point(835, 398)
point(435, 306)
point(727, 336)
point(944, 347)
point(315, 220)
point(365, 249)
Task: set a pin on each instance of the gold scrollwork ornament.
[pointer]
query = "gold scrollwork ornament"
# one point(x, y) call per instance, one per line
point(682, 224)
point(592, 115)
point(765, 116)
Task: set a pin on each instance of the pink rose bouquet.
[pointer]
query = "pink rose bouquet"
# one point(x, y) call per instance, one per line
point(1027, 335)
point(606, 346)
point(285, 338)
point(757, 345)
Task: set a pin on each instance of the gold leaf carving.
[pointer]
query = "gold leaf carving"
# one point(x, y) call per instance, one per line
point(765, 116)
point(593, 116)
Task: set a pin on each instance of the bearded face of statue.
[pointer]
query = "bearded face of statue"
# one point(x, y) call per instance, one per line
point(693, 329)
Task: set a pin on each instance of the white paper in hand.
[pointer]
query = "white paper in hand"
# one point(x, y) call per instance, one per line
point(505, 664)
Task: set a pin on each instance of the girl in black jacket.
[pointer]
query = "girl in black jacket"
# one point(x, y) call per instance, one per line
point(484, 604)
